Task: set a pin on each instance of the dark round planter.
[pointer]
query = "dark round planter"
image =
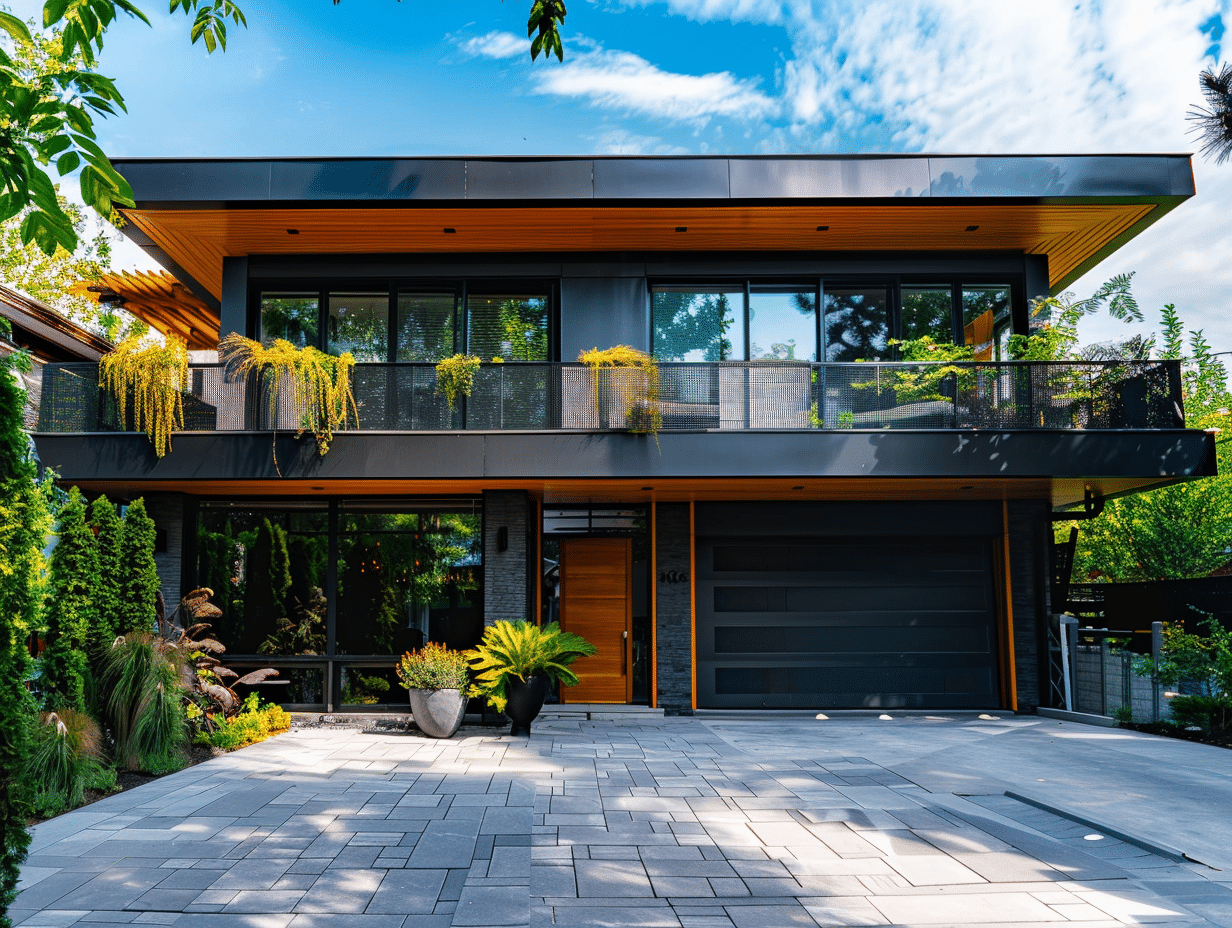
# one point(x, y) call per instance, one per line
point(525, 701)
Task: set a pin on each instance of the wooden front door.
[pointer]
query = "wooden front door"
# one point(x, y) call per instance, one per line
point(596, 602)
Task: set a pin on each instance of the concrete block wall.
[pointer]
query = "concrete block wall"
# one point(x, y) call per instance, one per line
point(1028, 523)
point(673, 587)
point(506, 590)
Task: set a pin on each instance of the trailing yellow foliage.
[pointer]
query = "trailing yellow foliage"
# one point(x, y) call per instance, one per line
point(320, 382)
point(638, 395)
point(156, 377)
point(455, 377)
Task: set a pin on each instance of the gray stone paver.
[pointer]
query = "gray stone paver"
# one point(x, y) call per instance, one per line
point(656, 823)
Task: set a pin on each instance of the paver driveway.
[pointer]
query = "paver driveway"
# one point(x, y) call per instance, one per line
point(668, 822)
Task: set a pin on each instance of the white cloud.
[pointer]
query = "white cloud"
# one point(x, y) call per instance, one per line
point(624, 81)
point(757, 11)
point(495, 45)
point(612, 140)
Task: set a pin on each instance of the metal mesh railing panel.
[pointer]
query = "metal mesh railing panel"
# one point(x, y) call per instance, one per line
point(724, 395)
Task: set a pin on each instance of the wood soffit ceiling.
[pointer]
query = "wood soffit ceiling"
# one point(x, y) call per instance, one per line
point(161, 301)
point(1069, 234)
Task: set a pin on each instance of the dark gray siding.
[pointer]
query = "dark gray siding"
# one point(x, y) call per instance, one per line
point(673, 587)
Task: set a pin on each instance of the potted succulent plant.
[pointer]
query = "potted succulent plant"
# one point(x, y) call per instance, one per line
point(439, 683)
point(516, 661)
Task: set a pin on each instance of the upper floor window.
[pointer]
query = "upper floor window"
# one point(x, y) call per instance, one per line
point(413, 323)
point(853, 322)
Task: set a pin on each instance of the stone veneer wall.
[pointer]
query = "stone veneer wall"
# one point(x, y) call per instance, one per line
point(506, 592)
point(673, 630)
point(167, 511)
point(1028, 524)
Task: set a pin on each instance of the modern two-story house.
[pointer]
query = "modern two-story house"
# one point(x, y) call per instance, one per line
point(816, 523)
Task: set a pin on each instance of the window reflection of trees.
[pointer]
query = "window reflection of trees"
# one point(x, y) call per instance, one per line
point(857, 324)
point(697, 326)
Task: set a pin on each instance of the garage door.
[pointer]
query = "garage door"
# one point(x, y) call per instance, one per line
point(845, 623)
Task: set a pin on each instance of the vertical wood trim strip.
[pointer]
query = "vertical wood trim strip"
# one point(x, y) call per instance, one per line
point(628, 642)
point(692, 610)
point(1009, 607)
point(654, 606)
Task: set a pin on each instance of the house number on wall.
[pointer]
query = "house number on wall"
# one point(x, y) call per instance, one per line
point(673, 576)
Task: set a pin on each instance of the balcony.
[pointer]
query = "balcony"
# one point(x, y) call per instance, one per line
point(723, 396)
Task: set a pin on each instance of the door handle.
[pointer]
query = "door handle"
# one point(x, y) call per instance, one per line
point(624, 654)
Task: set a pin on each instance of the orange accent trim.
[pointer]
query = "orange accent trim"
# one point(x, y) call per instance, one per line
point(654, 606)
point(692, 610)
point(1009, 608)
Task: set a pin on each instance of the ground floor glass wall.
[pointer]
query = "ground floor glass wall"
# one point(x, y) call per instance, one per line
point(332, 593)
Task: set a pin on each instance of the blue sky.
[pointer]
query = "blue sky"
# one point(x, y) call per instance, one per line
point(378, 77)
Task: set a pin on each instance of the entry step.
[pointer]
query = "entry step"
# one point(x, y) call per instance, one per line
point(598, 712)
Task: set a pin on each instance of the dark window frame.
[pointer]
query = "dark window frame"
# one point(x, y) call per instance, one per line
point(894, 283)
point(464, 287)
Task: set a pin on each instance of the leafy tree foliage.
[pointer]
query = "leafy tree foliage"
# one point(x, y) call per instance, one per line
point(51, 92)
point(71, 612)
point(1213, 122)
point(1182, 530)
point(24, 522)
point(138, 573)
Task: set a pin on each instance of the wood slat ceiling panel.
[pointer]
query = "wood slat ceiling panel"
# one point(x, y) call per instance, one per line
point(198, 239)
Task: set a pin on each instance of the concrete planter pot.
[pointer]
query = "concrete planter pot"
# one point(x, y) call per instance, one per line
point(438, 713)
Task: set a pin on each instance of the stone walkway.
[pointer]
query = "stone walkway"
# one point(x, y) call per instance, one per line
point(681, 822)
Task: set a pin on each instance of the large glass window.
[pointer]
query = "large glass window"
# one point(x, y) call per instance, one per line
point(359, 323)
point(267, 568)
point(986, 317)
point(698, 324)
point(928, 311)
point(511, 326)
point(856, 323)
point(426, 326)
point(292, 316)
point(783, 323)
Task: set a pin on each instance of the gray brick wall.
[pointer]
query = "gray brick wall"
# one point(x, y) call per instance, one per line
point(505, 587)
point(1028, 526)
point(673, 585)
point(167, 511)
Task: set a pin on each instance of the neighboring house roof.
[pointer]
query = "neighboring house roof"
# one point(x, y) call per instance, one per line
point(159, 300)
point(46, 333)
point(1076, 209)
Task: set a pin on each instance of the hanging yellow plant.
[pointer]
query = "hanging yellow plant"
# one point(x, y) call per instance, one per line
point(154, 378)
point(320, 382)
point(638, 394)
point(456, 377)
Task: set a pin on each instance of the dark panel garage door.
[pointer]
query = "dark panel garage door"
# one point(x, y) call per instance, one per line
point(852, 622)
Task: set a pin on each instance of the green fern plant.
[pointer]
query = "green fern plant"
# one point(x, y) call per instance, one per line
point(522, 650)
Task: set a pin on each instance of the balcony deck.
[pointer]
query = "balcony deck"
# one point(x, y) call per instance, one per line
point(722, 396)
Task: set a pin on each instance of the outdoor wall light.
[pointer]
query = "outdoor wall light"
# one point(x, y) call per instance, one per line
point(502, 538)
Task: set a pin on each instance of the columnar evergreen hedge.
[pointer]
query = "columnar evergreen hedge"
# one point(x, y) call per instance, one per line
point(138, 573)
point(70, 610)
point(24, 522)
point(105, 521)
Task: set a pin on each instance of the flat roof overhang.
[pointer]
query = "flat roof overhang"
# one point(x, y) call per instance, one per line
point(190, 214)
point(564, 467)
